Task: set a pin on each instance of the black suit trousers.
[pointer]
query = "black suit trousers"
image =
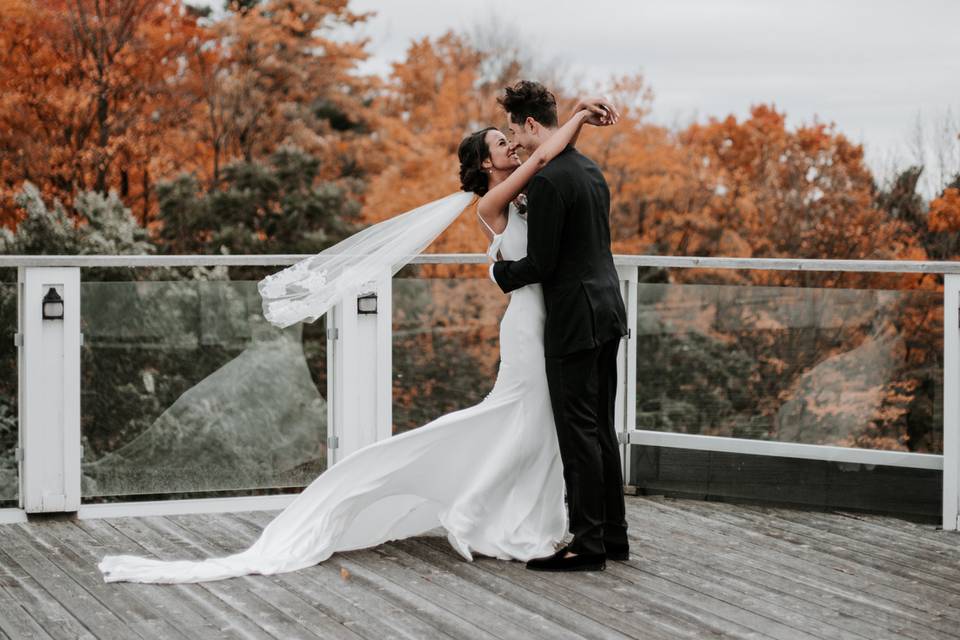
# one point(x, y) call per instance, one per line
point(583, 387)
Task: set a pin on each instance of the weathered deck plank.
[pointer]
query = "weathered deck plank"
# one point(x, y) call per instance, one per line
point(633, 619)
point(77, 558)
point(21, 589)
point(824, 584)
point(213, 533)
point(366, 594)
point(697, 569)
point(16, 622)
point(861, 590)
point(88, 611)
point(543, 605)
point(367, 614)
point(220, 621)
point(216, 527)
point(214, 597)
point(487, 603)
point(83, 536)
point(770, 590)
point(914, 563)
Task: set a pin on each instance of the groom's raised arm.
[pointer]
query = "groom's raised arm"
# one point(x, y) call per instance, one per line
point(545, 215)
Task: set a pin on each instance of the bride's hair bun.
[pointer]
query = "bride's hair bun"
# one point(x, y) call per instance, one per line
point(472, 152)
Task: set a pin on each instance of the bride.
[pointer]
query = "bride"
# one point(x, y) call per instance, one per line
point(490, 474)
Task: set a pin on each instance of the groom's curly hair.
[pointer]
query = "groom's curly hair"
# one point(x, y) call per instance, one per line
point(529, 99)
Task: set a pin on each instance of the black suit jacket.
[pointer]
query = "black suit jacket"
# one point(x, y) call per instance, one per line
point(568, 253)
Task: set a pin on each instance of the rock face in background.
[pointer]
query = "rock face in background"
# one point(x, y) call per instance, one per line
point(257, 421)
point(835, 400)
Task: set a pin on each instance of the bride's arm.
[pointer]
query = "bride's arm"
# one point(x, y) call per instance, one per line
point(495, 200)
point(604, 113)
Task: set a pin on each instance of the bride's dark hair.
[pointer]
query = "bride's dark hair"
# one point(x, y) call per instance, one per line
point(472, 152)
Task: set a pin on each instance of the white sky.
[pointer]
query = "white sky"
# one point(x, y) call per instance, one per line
point(870, 66)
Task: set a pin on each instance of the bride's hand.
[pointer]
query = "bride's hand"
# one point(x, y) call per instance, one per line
point(602, 113)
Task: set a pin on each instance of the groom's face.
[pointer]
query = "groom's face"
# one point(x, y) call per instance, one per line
point(524, 135)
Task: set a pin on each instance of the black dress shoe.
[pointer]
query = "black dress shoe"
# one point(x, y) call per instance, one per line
point(579, 562)
point(617, 551)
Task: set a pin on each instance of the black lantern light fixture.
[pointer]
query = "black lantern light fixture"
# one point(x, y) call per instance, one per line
point(367, 304)
point(52, 305)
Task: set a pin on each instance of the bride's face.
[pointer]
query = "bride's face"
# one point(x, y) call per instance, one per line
point(503, 155)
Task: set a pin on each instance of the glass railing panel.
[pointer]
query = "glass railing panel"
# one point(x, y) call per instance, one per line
point(9, 435)
point(187, 390)
point(445, 346)
point(845, 367)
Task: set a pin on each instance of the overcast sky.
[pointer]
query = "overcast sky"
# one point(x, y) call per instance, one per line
point(870, 66)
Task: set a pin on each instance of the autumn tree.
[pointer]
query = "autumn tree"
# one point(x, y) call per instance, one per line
point(428, 105)
point(278, 206)
point(110, 227)
point(91, 90)
point(759, 189)
point(943, 222)
point(119, 94)
point(277, 77)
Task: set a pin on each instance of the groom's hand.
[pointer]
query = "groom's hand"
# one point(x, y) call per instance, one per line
point(492, 277)
point(602, 111)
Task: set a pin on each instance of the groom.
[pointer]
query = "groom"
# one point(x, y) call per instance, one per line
point(568, 253)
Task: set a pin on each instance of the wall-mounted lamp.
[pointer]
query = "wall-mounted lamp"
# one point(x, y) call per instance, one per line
point(367, 304)
point(52, 305)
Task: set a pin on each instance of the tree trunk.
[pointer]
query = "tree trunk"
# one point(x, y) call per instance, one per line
point(103, 112)
point(146, 197)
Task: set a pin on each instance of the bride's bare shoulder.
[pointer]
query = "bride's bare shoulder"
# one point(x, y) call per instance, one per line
point(492, 223)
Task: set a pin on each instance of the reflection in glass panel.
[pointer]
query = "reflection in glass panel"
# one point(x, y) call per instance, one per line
point(9, 478)
point(445, 346)
point(186, 388)
point(715, 475)
point(846, 367)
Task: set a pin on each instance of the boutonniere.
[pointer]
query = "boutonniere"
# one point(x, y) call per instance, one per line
point(521, 202)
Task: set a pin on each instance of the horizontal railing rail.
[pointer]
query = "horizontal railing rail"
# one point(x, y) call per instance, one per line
point(778, 449)
point(668, 262)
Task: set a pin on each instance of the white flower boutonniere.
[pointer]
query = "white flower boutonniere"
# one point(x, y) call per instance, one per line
point(521, 202)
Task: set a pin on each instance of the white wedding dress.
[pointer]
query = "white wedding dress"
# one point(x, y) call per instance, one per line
point(490, 475)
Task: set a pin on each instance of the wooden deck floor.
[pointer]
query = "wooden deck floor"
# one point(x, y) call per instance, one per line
point(698, 570)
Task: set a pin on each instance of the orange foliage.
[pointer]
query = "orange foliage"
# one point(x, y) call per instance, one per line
point(272, 77)
point(428, 106)
point(945, 212)
point(755, 188)
point(431, 101)
point(92, 90)
point(119, 94)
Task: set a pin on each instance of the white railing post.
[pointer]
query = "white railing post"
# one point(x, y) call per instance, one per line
point(626, 402)
point(360, 393)
point(384, 355)
point(951, 402)
point(49, 390)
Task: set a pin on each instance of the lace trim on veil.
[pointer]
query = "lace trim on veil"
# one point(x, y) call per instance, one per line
point(306, 290)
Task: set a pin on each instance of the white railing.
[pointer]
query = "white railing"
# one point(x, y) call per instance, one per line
point(359, 358)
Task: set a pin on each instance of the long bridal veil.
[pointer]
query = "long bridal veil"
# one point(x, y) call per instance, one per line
point(308, 289)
